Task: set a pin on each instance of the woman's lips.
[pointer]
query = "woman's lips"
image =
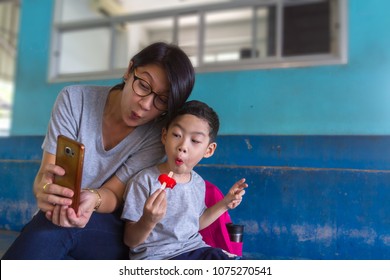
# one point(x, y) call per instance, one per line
point(134, 116)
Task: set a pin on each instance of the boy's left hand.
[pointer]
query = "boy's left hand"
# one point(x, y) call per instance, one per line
point(234, 197)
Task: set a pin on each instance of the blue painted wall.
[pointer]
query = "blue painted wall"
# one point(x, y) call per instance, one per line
point(311, 142)
point(328, 100)
point(308, 197)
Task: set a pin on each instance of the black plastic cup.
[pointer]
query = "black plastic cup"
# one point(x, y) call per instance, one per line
point(236, 232)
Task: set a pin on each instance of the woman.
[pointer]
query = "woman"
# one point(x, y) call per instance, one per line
point(120, 128)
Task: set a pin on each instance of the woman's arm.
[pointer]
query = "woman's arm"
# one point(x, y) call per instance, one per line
point(111, 195)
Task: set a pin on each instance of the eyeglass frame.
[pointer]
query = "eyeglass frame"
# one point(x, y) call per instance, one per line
point(156, 95)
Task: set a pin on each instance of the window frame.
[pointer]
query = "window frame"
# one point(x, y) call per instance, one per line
point(277, 61)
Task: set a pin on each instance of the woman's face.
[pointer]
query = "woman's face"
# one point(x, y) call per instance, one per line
point(138, 110)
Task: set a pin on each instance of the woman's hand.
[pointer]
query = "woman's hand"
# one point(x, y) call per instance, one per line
point(48, 194)
point(65, 216)
point(55, 200)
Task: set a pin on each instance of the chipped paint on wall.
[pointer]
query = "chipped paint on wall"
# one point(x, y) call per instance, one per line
point(15, 214)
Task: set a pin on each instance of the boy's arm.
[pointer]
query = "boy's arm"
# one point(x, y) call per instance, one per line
point(137, 232)
point(211, 214)
point(154, 210)
point(231, 200)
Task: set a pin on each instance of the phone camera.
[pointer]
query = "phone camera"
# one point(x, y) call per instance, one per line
point(69, 151)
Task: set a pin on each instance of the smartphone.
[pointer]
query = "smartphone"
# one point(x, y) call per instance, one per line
point(70, 156)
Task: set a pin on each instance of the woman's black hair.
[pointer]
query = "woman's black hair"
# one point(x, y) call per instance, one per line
point(179, 69)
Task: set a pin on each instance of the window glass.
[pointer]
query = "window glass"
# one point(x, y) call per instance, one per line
point(306, 29)
point(188, 36)
point(158, 30)
point(265, 31)
point(142, 33)
point(228, 35)
point(9, 29)
point(85, 51)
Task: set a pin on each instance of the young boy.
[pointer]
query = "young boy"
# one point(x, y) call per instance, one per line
point(164, 224)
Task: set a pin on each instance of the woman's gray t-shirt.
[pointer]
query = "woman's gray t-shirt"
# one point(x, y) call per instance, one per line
point(78, 114)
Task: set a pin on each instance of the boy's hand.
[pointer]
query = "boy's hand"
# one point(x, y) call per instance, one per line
point(234, 197)
point(155, 207)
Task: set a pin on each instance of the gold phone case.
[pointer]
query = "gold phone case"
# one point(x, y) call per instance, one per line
point(70, 156)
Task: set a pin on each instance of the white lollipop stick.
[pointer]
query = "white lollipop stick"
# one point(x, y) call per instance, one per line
point(163, 186)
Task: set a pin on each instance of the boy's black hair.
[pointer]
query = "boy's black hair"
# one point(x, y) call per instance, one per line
point(201, 110)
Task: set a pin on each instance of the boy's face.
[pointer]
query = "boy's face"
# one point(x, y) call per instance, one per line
point(186, 142)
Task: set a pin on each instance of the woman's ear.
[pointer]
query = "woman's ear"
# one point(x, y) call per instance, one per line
point(128, 71)
point(210, 150)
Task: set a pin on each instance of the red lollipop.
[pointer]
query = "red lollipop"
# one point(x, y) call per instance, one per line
point(167, 181)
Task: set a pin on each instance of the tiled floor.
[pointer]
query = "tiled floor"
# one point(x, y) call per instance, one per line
point(6, 239)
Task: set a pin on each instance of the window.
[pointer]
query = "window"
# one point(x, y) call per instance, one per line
point(9, 18)
point(306, 29)
point(96, 38)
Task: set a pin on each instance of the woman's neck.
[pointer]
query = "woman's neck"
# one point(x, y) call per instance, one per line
point(114, 129)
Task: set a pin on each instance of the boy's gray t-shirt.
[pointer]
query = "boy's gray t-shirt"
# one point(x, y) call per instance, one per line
point(178, 231)
point(78, 113)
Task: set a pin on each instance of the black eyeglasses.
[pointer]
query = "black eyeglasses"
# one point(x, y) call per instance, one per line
point(142, 88)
